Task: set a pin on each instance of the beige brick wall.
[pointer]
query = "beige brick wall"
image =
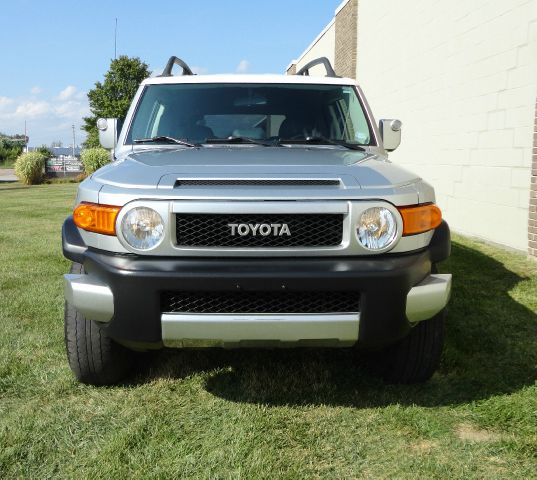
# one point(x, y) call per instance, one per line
point(462, 76)
point(532, 222)
point(345, 39)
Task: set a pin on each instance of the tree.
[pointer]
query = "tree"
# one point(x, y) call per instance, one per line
point(45, 151)
point(112, 98)
point(11, 147)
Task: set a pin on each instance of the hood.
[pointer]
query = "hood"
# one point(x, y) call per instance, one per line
point(161, 167)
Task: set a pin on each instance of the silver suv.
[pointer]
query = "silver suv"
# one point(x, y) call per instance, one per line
point(258, 211)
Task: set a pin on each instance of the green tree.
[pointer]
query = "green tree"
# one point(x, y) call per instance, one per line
point(10, 147)
point(112, 97)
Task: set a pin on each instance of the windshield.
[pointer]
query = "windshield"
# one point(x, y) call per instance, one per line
point(199, 113)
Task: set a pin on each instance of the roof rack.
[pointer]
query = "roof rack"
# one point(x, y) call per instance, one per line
point(305, 70)
point(167, 72)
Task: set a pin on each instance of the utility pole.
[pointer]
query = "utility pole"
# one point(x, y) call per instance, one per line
point(115, 41)
point(74, 140)
point(25, 141)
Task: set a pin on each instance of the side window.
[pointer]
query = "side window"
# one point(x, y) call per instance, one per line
point(355, 116)
point(154, 121)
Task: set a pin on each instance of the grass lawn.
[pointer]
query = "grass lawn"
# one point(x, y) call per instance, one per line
point(263, 414)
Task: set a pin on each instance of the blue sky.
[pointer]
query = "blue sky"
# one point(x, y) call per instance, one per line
point(54, 51)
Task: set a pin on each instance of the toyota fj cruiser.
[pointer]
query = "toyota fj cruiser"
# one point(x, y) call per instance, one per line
point(253, 210)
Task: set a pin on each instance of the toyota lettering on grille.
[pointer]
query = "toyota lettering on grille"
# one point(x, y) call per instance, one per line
point(262, 229)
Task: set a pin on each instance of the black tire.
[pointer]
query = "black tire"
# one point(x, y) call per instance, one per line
point(415, 358)
point(93, 356)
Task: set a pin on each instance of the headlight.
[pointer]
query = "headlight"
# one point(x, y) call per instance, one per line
point(377, 228)
point(142, 228)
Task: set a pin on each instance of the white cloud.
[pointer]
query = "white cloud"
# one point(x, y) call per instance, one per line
point(47, 119)
point(36, 90)
point(32, 109)
point(4, 102)
point(243, 66)
point(67, 93)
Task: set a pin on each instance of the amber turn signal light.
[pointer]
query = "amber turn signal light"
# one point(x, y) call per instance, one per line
point(96, 218)
point(421, 218)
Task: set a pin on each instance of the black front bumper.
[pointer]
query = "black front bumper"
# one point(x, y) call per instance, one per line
point(137, 282)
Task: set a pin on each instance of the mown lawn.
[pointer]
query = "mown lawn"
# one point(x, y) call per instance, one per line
point(263, 414)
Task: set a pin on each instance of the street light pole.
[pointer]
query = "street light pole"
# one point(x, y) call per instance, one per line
point(74, 140)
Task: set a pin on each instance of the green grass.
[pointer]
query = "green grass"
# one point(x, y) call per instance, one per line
point(263, 414)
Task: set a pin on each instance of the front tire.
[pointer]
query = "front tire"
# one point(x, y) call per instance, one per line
point(415, 358)
point(93, 356)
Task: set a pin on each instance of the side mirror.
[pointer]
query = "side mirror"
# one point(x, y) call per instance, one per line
point(108, 132)
point(390, 131)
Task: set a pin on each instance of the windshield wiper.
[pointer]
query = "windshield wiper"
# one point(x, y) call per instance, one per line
point(320, 140)
point(238, 139)
point(165, 139)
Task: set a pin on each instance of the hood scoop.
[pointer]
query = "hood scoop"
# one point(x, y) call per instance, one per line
point(257, 182)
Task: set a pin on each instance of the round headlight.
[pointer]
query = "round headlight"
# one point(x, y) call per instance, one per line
point(377, 228)
point(142, 228)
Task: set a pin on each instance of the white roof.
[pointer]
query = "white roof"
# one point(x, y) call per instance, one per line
point(234, 78)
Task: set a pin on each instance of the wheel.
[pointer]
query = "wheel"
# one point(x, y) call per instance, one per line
point(93, 356)
point(415, 358)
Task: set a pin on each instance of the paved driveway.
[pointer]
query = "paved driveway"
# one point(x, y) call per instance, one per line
point(7, 175)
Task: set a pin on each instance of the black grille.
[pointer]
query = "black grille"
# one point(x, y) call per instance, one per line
point(260, 302)
point(256, 182)
point(213, 230)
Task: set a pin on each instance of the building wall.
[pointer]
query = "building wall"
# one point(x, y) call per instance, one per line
point(323, 46)
point(462, 76)
point(532, 222)
point(345, 55)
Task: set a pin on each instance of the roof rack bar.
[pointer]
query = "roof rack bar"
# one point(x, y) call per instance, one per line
point(305, 70)
point(167, 72)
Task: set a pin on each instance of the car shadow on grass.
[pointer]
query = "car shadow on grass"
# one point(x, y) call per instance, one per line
point(491, 349)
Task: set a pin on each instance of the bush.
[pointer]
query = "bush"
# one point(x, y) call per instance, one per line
point(29, 167)
point(94, 158)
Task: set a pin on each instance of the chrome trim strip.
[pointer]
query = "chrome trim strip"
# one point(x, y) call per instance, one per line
point(178, 329)
point(260, 207)
point(428, 297)
point(89, 296)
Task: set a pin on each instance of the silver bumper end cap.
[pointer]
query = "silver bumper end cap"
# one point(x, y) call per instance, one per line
point(186, 330)
point(428, 297)
point(89, 296)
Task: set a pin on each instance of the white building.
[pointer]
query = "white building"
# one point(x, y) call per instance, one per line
point(462, 76)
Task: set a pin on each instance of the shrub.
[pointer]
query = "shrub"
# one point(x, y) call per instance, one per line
point(94, 158)
point(29, 167)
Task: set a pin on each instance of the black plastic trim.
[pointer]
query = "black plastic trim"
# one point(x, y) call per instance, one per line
point(73, 246)
point(440, 245)
point(305, 70)
point(167, 72)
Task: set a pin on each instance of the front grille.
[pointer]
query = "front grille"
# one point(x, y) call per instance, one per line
point(213, 230)
point(260, 302)
point(287, 182)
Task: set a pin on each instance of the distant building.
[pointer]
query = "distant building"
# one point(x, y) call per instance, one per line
point(66, 151)
point(60, 151)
